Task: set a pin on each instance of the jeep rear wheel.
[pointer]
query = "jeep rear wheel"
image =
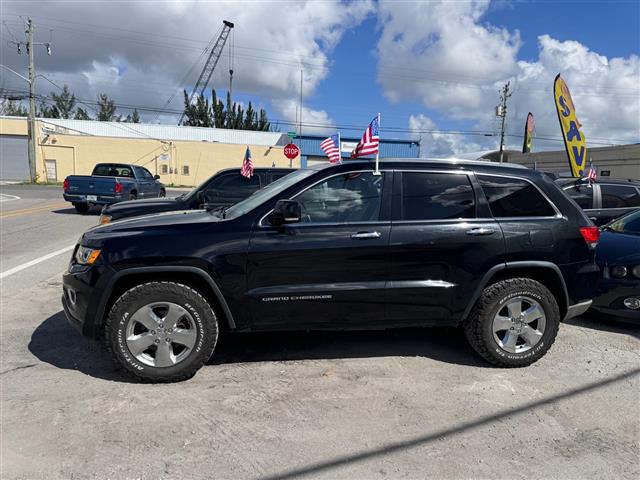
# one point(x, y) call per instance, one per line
point(161, 331)
point(514, 322)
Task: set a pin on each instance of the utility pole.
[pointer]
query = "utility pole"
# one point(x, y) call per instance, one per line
point(501, 111)
point(32, 104)
point(31, 118)
point(300, 130)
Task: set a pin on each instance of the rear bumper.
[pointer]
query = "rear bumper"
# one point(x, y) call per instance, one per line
point(100, 199)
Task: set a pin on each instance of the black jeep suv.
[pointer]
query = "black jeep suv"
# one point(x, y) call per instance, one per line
point(498, 249)
point(224, 188)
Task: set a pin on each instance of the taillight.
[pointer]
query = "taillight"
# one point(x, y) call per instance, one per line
point(118, 187)
point(65, 185)
point(591, 235)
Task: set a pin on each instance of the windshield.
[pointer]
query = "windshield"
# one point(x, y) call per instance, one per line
point(266, 193)
point(628, 224)
point(190, 194)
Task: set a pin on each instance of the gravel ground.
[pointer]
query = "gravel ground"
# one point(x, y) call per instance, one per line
point(396, 404)
point(360, 405)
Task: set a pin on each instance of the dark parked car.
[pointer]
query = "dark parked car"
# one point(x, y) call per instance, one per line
point(618, 255)
point(605, 199)
point(499, 249)
point(223, 189)
point(110, 183)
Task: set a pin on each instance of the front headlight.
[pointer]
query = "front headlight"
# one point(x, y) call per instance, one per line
point(86, 255)
point(104, 219)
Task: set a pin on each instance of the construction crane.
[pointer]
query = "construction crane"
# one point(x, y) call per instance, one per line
point(210, 64)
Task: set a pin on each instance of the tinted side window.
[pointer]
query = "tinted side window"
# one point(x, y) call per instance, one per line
point(582, 194)
point(436, 196)
point(352, 197)
point(231, 188)
point(512, 197)
point(619, 196)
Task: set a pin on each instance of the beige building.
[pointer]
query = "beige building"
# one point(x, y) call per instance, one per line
point(180, 155)
point(620, 161)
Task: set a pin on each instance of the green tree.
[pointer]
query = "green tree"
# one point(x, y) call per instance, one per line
point(219, 115)
point(81, 114)
point(106, 109)
point(197, 114)
point(64, 102)
point(263, 121)
point(46, 111)
point(133, 117)
point(13, 108)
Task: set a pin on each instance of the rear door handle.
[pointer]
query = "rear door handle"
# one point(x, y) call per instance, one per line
point(365, 235)
point(481, 231)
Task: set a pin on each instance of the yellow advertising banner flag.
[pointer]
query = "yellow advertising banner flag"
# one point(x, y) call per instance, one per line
point(574, 140)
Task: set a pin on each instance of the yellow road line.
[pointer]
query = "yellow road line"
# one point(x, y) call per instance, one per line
point(27, 211)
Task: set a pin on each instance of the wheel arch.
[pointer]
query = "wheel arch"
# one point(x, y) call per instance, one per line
point(192, 276)
point(546, 273)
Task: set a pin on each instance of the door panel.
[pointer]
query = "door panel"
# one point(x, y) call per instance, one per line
point(439, 249)
point(329, 270)
point(307, 276)
point(435, 267)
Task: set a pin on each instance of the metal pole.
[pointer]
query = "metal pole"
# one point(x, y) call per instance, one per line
point(505, 95)
point(377, 172)
point(32, 105)
point(300, 132)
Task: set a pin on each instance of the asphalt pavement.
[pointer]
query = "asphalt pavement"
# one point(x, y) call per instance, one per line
point(408, 404)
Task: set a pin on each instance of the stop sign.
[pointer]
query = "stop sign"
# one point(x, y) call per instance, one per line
point(291, 151)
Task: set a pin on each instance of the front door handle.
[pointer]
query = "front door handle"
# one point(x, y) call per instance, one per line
point(481, 231)
point(365, 235)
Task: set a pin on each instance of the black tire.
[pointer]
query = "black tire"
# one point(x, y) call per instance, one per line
point(121, 315)
point(478, 326)
point(163, 193)
point(81, 207)
point(132, 196)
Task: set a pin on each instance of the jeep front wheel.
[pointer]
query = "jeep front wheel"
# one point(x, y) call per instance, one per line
point(514, 322)
point(161, 331)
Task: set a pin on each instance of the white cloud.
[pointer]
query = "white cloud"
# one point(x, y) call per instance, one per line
point(151, 46)
point(445, 55)
point(434, 144)
point(289, 110)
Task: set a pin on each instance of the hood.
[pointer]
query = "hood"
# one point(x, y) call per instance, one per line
point(618, 249)
point(158, 222)
point(145, 203)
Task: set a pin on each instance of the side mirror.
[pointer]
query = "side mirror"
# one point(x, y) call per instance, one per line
point(285, 211)
point(157, 177)
point(200, 197)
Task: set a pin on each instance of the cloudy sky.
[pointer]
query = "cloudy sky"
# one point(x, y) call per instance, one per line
point(433, 69)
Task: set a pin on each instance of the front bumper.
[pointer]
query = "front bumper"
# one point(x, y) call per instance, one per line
point(611, 296)
point(83, 297)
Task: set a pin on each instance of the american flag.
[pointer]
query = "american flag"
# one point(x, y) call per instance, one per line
point(331, 147)
point(592, 175)
point(247, 165)
point(370, 141)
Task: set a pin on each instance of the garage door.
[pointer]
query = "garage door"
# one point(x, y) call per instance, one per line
point(14, 158)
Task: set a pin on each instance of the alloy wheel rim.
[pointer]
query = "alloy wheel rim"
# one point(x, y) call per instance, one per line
point(161, 334)
point(519, 324)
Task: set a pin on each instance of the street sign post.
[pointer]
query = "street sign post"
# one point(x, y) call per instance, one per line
point(291, 151)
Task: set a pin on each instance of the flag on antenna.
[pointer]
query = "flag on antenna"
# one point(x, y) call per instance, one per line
point(331, 147)
point(247, 164)
point(370, 141)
